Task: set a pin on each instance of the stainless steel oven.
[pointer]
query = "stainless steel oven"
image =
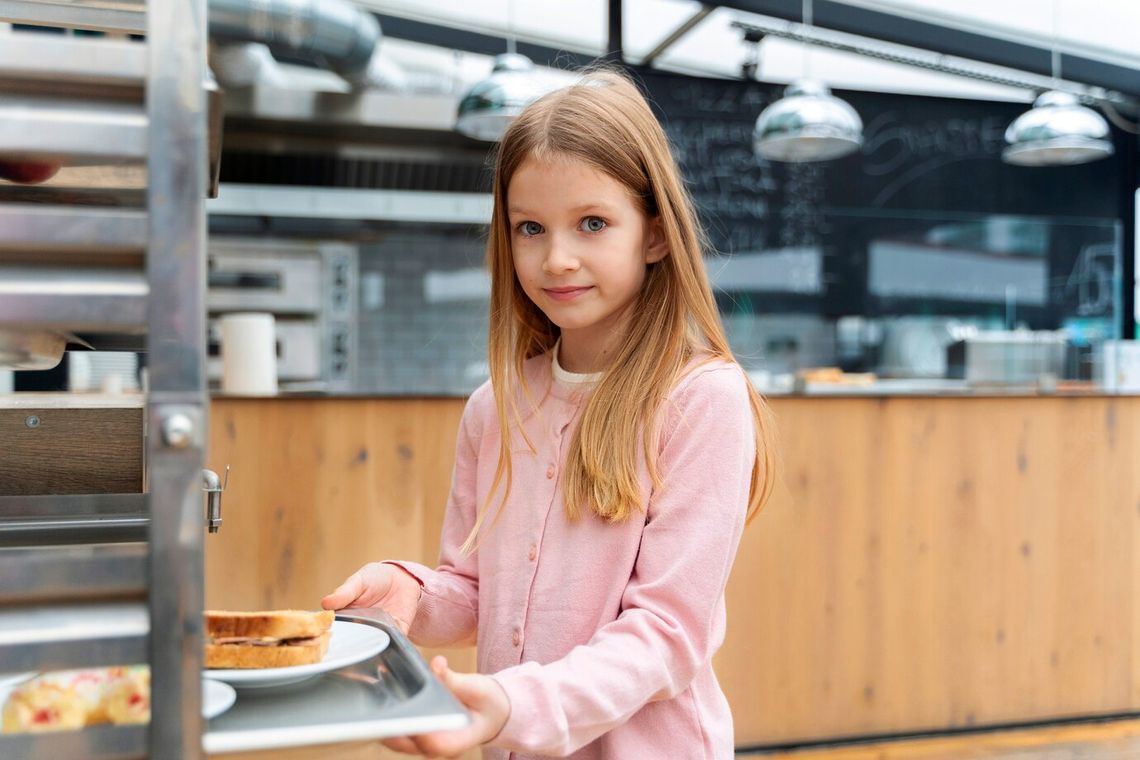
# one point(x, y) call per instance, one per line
point(310, 288)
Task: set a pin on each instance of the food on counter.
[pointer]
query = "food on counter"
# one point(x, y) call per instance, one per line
point(266, 639)
point(834, 376)
point(70, 699)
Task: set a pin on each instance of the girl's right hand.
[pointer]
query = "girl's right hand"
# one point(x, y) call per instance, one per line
point(381, 585)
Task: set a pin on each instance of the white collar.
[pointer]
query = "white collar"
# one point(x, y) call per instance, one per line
point(573, 380)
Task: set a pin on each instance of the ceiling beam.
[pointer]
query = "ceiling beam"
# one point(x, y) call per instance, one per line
point(677, 34)
point(890, 27)
point(826, 14)
point(477, 42)
point(615, 48)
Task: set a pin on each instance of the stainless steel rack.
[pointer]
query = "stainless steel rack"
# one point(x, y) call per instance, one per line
point(111, 579)
point(113, 250)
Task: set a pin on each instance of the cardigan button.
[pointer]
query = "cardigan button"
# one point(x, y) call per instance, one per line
point(532, 553)
point(516, 638)
point(550, 472)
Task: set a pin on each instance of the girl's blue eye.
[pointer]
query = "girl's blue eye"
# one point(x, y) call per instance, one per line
point(530, 228)
point(593, 224)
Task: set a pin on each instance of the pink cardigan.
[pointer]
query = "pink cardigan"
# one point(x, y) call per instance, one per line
point(602, 635)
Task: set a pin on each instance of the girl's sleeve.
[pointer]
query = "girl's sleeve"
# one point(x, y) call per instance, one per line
point(449, 604)
point(672, 619)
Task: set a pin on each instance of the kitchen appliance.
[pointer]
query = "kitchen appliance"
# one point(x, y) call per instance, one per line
point(915, 345)
point(310, 289)
point(1008, 356)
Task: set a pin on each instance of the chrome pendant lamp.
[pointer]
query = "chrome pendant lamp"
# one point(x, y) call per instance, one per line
point(488, 108)
point(1058, 130)
point(808, 123)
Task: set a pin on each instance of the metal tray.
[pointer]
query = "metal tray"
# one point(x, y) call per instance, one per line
point(391, 694)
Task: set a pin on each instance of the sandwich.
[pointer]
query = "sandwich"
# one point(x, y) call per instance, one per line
point(267, 639)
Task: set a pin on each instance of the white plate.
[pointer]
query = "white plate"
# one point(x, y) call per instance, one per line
point(350, 643)
point(217, 697)
point(12, 679)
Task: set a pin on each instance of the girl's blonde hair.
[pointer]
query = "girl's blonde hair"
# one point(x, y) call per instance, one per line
point(604, 121)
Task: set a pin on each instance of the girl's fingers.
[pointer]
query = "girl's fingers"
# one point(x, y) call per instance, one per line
point(345, 593)
point(464, 686)
point(402, 744)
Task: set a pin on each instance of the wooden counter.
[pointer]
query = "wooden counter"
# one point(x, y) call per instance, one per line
point(925, 564)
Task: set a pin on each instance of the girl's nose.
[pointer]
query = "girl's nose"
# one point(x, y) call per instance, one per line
point(559, 259)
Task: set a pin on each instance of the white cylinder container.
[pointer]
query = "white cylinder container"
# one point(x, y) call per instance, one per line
point(249, 354)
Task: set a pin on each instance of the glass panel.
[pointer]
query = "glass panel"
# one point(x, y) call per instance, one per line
point(914, 290)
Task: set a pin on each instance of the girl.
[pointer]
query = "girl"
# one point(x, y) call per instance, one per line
point(604, 474)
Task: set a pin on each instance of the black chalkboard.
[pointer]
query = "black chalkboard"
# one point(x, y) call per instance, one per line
point(925, 161)
point(745, 203)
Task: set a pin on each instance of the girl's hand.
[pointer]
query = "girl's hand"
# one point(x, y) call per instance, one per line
point(481, 695)
point(379, 585)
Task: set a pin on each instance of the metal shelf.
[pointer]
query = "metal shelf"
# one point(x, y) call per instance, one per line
point(95, 743)
point(25, 227)
point(351, 203)
point(104, 529)
point(78, 505)
point(391, 694)
point(57, 637)
point(113, 246)
point(72, 572)
point(52, 62)
point(72, 130)
point(73, 299)
point(80, 194)
point(121, 16)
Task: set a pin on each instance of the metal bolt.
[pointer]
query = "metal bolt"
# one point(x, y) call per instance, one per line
point(177, 431)
point(32, 421)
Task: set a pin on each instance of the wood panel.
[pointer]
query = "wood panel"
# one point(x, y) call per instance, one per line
point(925, 564)
point(930, 564)
point(71, 445)
point(317, 489)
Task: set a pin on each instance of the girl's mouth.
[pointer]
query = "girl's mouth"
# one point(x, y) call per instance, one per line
point(566, 294)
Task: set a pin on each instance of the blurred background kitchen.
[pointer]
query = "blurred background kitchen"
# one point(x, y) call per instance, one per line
point(921, 223)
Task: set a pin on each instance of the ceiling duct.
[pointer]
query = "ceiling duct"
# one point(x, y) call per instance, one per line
point(330, 34)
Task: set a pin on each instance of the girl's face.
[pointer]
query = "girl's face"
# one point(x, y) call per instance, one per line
point(580, 244)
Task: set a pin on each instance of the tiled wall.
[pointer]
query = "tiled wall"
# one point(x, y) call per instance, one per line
point(423, 313)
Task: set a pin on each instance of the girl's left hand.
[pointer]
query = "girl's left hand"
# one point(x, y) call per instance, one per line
point(481, 695)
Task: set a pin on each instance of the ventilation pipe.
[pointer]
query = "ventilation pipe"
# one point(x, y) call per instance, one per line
point(330, 34)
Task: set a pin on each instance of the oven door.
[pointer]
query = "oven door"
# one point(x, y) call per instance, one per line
point(285, 280)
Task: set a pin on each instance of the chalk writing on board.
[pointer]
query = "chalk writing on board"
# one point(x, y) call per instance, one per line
point(801, 216)
point(736, 192)
point(891, 143)
point(698, 96)
point(1091, 279)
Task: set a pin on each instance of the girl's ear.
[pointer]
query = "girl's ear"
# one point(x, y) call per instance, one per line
point(656, 248)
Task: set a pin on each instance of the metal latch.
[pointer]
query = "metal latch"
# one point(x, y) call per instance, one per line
point(213, 487)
